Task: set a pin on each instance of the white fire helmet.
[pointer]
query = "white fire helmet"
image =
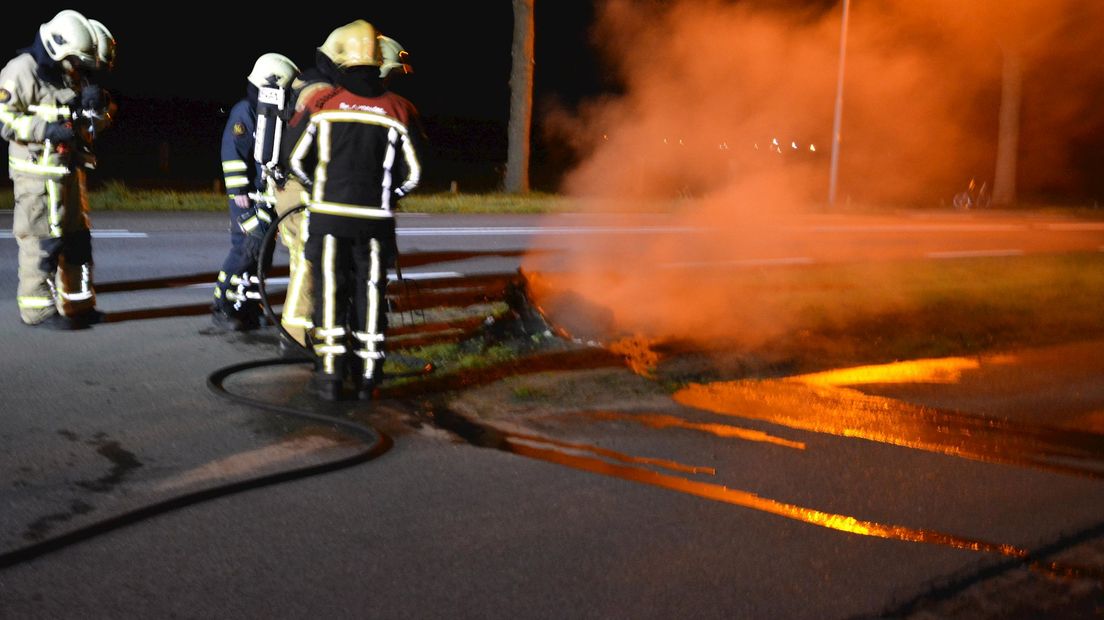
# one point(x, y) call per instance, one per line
point(353, 45)
point(69, 34)
point(105, 45)
point(394, 56)
point(273, 69)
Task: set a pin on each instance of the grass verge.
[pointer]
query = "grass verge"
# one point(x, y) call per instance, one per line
point(838, 315)
point(841, 315)
point(116, 196)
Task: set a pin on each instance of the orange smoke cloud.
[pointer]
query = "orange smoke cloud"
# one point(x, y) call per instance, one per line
point(725, 120)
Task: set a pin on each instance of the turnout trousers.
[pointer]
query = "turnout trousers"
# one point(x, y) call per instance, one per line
point(350, 308)
point(296, 314)
point(51, 225)
point(236, 291)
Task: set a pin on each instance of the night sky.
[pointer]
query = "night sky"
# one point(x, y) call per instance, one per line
point(180, 68)
point(182, 65)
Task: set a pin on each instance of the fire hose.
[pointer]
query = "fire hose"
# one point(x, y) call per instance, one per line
point(375, 444)
point(426, 367)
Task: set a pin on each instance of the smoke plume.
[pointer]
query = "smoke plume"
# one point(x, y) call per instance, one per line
point(724, 122)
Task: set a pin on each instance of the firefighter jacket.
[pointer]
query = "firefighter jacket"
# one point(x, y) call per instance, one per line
point(365, 159)
point(28, 102)
point(239, 171)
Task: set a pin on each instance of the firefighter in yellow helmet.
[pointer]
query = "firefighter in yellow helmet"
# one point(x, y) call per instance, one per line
point(46, 116)
point(366, 162)
point(298, 304)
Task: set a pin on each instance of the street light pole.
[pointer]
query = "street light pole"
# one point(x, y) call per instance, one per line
point(837, 121)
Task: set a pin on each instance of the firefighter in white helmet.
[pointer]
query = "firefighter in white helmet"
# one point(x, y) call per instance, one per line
point(236, 305)
point(46, 115)
point(105, 65)
point(395, 59)
point(105, 46)
point(358, 148)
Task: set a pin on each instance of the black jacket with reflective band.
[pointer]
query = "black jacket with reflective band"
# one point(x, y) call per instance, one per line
point(365, 159)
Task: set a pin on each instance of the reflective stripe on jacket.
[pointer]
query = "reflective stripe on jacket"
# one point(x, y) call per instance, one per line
point(364, 153)
point(27, 104)
point(239, 171)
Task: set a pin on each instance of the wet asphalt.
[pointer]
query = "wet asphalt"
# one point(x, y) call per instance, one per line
point(664, 510)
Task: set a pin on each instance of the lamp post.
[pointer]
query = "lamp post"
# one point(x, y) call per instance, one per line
point(837, 120)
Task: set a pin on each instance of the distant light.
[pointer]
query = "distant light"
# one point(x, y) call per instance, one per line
point(812, 147)
point(793, 145)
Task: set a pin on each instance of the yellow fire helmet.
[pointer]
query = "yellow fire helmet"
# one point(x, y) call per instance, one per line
point(394, 57)
point(353, 45)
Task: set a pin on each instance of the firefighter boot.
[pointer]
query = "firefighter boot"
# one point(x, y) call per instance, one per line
point(57, 322)
point(368, 389)
point(326, 387)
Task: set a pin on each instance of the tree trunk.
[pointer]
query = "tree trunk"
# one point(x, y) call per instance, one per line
point(521, 100)
point(1008, 136)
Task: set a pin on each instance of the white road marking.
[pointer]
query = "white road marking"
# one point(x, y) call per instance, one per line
point(883, 228)
point(745, 262)
point(636, 230)
point(426, 275)
point(541, 230)
point(1076, 226)
point(843, 228)
point(974, 253)
point(107, 233)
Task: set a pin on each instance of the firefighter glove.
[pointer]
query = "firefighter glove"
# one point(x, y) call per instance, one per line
point(254, 223)
point(59, 132)
point(92, 97)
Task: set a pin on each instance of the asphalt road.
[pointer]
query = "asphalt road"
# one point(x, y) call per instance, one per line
point(729, 506)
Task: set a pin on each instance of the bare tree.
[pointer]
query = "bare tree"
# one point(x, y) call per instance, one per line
point(521, 100)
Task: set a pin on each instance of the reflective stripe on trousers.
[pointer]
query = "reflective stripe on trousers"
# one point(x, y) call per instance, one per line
point(329, 334)
point(370, 341)
point(351, 276)
point(50, 223)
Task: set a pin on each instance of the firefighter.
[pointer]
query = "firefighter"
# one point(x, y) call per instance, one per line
point(47, 115)
point(359, 145)
point(395, 60)
point(296, 315)
point(105, 46)
point(105, 64)
point(237, 305)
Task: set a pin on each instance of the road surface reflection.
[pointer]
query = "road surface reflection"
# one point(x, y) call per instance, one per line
point(826, 403)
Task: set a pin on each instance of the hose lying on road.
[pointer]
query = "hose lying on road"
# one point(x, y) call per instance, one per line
point(375, 442)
